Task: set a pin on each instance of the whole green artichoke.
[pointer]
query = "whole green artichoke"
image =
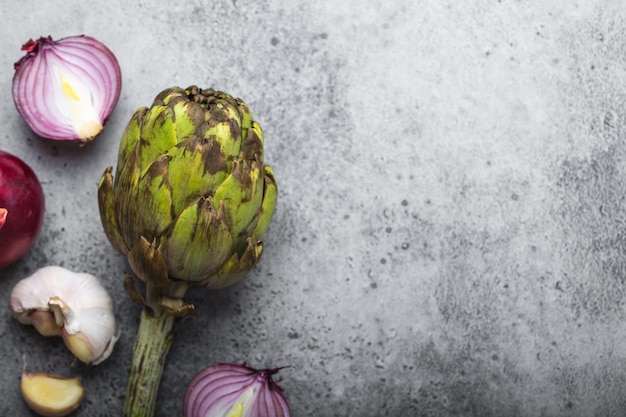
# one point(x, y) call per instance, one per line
point(189, 205)
point(192, 197)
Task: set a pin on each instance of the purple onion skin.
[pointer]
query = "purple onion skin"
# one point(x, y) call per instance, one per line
point(22, 206)
point(66, 89)
point(225, 390)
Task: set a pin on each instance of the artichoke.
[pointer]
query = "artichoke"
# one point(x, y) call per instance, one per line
point(191, 196)
point(190, 201)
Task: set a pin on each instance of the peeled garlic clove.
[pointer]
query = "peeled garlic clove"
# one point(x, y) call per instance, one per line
point(51, 395)
point(76, 303)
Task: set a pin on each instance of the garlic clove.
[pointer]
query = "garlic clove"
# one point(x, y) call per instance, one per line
point(45, 323)
point(51, 395)
point(76, 303)
point(79, 347)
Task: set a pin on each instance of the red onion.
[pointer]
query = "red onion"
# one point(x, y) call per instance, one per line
point(66, 89)
point(227, 390)
point(21, 208)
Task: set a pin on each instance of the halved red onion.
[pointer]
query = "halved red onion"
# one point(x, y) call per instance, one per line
point(226, 390)
point(66, 89)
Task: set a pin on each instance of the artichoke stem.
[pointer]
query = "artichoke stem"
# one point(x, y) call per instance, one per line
point(154, 338)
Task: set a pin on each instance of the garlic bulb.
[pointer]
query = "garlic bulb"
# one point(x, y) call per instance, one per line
point(75, 306)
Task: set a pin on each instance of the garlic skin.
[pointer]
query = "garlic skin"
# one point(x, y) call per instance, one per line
point(73, 305)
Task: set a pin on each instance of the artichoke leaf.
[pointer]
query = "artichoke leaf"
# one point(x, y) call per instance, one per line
point(152, 212)
point(245, 115)
point(127, 172)
point(252, 147)
point(147, 262)
point(196, 168)
point(242, 194)
point(158, 134)
point(235, 268)
point(131, 136)
point(259, 132)
point(270, 198)
point(175, 306)
point(165, 96)
point(222, 133)
point(132, 291)
point(223, 123)
point(198, 242)
point(125, 189)
point(189, 117)
point(106, 204)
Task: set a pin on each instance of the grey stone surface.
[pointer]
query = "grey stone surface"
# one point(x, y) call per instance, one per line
point(449, 238)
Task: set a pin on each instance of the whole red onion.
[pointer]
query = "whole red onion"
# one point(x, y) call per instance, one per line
point(226, 390)
point(21, 208)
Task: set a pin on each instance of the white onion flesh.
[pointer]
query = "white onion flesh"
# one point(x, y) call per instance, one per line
point(66, 89)
point(225, 390)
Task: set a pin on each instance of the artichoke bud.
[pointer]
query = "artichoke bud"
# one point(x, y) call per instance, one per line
point(191, 198)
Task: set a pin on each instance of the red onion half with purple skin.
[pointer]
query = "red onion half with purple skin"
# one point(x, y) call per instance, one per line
point(228, 390)
point(66, 89)
point(21, 208)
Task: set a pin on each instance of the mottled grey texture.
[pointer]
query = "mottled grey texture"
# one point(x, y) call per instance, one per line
point(450, 234)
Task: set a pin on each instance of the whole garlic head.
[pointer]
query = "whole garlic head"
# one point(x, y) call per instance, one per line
point(75, 306)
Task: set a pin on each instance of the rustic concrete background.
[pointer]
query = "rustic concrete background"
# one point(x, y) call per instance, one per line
point(449, 238)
